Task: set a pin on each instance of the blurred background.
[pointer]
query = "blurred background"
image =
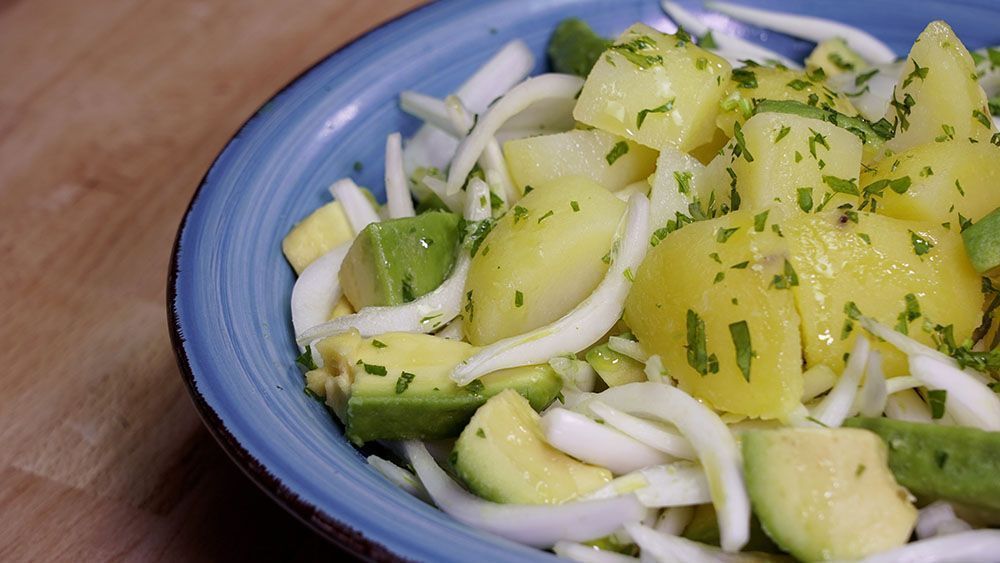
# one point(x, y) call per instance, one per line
point(110, 113)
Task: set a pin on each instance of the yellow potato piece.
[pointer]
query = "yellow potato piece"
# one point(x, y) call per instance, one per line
point(541, 259)
point(317, 234)
point(937, 182)
point(724, 284)
point(874, 264)
point(607, 159)
point(938, 93)
point(655, 89)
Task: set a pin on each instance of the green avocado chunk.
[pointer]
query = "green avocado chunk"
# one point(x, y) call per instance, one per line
point(953, 463)
point(401, 387)
point(397, 261)
point(825, 494)
point(704, 528)
point(502, 456)
point(982, 242)
point(574, 47)
point(614, 368)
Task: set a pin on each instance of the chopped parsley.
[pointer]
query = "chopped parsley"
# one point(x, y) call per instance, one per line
point(817, 139)
point(918, 72)
point(374, 369)
point(787, 279)
point(305, 359)
point(715, 256)
point(798, 84)
point(982, 118)
point(632, 51)
point(909, 314)
point(719, 277)
point(805, 199)
point(926, 171)
point(740, 333)
point(841, 185)
point(519, 213)
point(707, 41)
point(379, 344)
point(740, 148)
point(518, 298)
point(760, 221)
point(683, 179)
point(958, 186)
point(404, 381)
point(744, 78)
point(740, 265)
point(697, 346)
point(839, 61)
point(629, 275)
point(665, 108)
point(575, 206)
point(937, 398)
point(547, 214)
point(480, 433)
point(782, 133)
point(865, 77)
point(723, 233)
point(619, 150)
point(866, 238)
point(921, 245)
point(948, 134)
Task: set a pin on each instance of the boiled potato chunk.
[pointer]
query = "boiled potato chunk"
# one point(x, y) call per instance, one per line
point(773, 83)
point(937, 182)
point(656, 89)
point(541, 259)
point(835, 57)
point(798, 164)
point(713, 312)
point(938, 94)
point(875, 262)
point(607, 159)
point(317, 234)
point(679, 180)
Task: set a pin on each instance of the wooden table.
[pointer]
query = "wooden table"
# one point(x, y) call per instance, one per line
point(110, 112)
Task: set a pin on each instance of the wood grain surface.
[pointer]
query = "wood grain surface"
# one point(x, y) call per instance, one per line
point(110, 112)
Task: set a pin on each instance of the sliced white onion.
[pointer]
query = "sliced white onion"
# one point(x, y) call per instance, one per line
point(399, 477)
point(520, 97)
point(629, 348)
point(873, 394)
point(712, 441)
point(835, 407)
point(317, 290)
point(454, 202)
point(655, 371)
point(589, 554)
point(510, 65)
point(431, 110)
point(809, 27)
point(872, 97)
point(907, 405)
point(799, 417)
point(674, 520)
point(595, 443)
point(730, 47)
point(902, 383)
point(541, 118)
point(358, 208)
point(817, 380)
point(534, 525)
point(902, 342)
point(969, 401)
point(586, 323)
point(492, 160)
point(938, 519)
point(453, 331)
point(974, 546)
point(666, 548)
point(650, 433)
point(397, 192)
point(426, 313)
point(577, 374)
point(676, 484)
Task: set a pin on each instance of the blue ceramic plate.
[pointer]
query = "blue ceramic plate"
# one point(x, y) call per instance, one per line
point(229, 285)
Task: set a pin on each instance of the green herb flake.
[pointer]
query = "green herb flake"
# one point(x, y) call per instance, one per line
point(404, 381)
point(683, 179)
point(632, 51)
point(937, 398)
point(926, 171)
point(379, 344)
point(982, 118)
point(701, 63)
point(841, 185)
point(305, 359)
point(629, 275)
point(528, 190)
point(519, 213)
point(740, 265)
point(782, 133)
point(816, 139)
point(948, 134)
point(575, 206)
point(839, 61)
point(921, 245)
point(864, 77)
point(805, 199)
point(744, 78)
point(547, 214)
point(798, 156)
point(480, 433)
point(374, 369)
point(619, 150)
point(760, 221)
point(859, 470)
point(918, 72)
point(697, 347)
point(715, 256)
point(665, 108)
point(723, 233)
point(787, 279)
point(740, 332)
point(719, 277)
point(740, 148)
point(798, 84)
point(958, 186)
point(707, 41)
point(866, 238)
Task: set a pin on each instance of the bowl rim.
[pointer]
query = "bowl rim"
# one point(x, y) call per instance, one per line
point(343, 535)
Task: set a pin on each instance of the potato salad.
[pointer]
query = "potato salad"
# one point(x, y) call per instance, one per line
point(681, 298)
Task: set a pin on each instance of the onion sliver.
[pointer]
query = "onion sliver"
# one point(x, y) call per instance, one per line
point(908, 406)
point(629, 348)
point(731, 47)
point(589, 554)
point(974, 546)
point(674, 520)
point(358, 208)
point(874, 392)
point(938, 519)
point(398, 199)
point(542, 87)
point(399, 477)
point(901, 383)
point(835, 407)
point(671, 549)
point(649, 433)
point(675, 484)
point(588, 441)
point(534, 525)
point(586, 323)
point(317, 290)
point(712, 441)
point(969, 401)
point(428, 312)
point(809, 27)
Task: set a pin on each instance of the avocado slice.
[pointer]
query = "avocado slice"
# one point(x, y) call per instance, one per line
point(401, 387)
point(502, 456)
point(398, 260)
point(704, 528)
point(614, 368)
point(825, 494)
point(953, 463)
point(982, 243)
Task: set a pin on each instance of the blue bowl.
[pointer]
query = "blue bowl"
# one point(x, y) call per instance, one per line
point(229, 286)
